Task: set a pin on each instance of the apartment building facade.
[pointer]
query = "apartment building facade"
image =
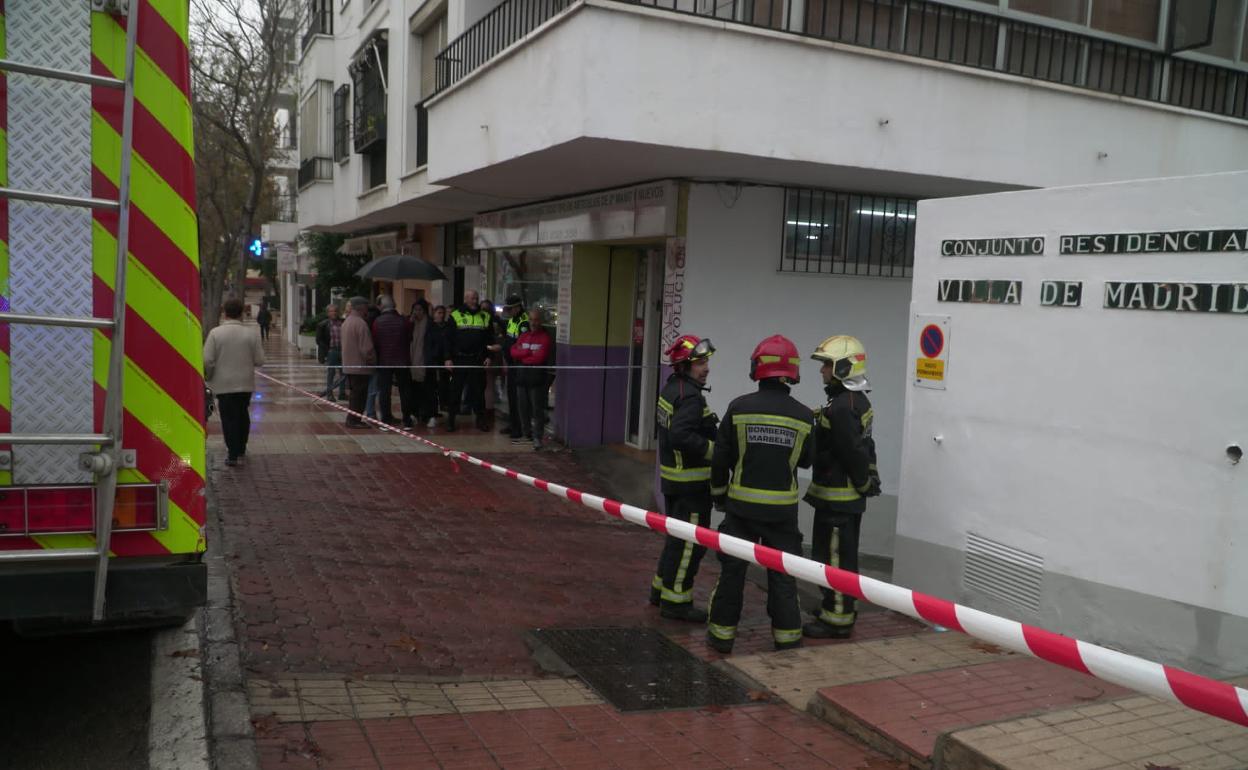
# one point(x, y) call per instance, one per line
point(733, 168)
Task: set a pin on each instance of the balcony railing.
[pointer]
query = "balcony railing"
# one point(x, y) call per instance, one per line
point(495, 32)
point(315, 170)
point(320, 20)
point(284, 208)
point(918, 28)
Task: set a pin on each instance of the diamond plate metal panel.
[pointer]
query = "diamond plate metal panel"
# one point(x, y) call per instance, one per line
point(49, 150)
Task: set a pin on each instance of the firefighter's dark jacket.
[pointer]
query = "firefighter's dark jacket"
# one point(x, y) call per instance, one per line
point(845, 473)
point(686, 437)
point(763, 439)
point(468, 334)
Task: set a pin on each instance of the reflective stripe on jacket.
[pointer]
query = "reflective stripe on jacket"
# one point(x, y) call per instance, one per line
point(763, 440)
point(686, 437)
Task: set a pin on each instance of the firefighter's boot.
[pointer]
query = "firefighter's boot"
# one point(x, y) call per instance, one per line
point(686, 612)
point(722, 646)
point(817, 629)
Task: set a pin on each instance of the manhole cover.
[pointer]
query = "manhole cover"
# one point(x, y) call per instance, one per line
point(639, 669)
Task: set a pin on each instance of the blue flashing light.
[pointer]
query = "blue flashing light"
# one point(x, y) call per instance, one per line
point(256, 247)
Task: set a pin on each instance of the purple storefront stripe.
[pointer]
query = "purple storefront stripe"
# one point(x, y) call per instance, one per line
point(591, 404)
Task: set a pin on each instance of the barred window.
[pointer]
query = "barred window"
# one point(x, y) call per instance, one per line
point(342, 124)
point(847, 233)
point(370, 96)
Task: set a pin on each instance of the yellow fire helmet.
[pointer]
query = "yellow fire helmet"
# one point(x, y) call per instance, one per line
point(848, 358)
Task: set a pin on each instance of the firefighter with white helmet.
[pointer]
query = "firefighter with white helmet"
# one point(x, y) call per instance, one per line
point(763, 439)
point(845, 474)
point(686, 438)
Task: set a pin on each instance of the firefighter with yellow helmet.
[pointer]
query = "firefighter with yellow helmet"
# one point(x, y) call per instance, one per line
point(845, 474)
point(686, 439)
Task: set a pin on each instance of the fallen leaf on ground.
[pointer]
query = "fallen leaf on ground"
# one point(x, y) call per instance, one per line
point(279, 692)
point(305, 748)
point(405, 642)
point(189, 652)
point(988, 647)
point(757, 695)
point(265, 724)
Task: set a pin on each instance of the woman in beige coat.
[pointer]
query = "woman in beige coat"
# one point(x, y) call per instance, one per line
point(231, 354)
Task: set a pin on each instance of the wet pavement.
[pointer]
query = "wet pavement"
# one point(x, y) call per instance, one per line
point(377, 581)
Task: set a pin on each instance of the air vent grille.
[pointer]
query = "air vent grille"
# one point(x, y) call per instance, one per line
point(1003, 572)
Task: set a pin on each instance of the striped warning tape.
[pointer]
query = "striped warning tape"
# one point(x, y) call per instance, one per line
point(1218, 699)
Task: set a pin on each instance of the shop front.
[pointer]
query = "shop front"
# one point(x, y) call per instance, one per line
point(595, 264)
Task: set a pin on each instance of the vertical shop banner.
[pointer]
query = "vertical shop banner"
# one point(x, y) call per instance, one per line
point(564, 297)
point(673, 291)
point(931, 360)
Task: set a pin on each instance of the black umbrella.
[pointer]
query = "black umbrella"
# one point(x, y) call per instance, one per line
point(398, 267)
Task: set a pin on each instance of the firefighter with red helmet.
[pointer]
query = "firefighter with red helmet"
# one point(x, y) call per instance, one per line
point(845, 475)
point(763, 439)
point(686, 438)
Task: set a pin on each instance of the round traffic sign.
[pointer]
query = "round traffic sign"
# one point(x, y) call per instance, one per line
point(932, 341)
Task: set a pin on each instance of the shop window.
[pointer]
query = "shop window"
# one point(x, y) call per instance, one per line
point(847, 233)
point(531, 273)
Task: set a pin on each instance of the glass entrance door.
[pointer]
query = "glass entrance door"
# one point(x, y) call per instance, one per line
point(643, 357)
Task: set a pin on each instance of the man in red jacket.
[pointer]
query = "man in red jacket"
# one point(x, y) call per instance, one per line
point(531, 353)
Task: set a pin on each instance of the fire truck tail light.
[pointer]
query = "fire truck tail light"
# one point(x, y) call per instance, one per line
point(62, 510)
point(12, 512)
point(137, 508)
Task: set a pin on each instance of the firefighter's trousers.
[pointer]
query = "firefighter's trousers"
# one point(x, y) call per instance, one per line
point(836, 543)
point(678, 563)
point(782, 607)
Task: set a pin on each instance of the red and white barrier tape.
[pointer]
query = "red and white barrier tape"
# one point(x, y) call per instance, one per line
point(1218, 699)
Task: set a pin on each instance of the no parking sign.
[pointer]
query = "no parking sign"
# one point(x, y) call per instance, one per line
point(933, 351)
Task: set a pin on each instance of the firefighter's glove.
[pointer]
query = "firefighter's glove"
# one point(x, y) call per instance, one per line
point(871, 488)
point(721, 502)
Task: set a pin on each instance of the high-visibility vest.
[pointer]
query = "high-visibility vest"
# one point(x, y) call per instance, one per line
point(479, 320)
point(516, 324)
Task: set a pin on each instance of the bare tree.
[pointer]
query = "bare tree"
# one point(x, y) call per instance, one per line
point(241, 63)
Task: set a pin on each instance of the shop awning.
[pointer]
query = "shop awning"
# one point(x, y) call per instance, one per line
point(354, 246)
point(379, 244)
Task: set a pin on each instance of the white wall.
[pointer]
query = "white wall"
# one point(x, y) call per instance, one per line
point(342, 200)
point(1094, 438)
point(633, 75)
point(734, 295)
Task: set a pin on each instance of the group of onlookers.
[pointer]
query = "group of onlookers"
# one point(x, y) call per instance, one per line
point(439, 360)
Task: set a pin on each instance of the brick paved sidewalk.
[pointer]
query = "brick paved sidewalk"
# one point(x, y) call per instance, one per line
point(382, 593)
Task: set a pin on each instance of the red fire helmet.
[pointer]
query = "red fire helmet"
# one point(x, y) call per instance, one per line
point(775, 356)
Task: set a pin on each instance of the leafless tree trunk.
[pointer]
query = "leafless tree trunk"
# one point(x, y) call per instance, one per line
point(242, 60)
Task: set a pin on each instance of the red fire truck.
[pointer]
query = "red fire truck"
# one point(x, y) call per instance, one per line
point(101, 384)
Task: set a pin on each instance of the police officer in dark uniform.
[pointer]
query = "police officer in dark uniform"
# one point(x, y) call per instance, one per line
point(517, 323)
point(471, 340)
point(845, 475)
point(763, 440)
point(686, 438)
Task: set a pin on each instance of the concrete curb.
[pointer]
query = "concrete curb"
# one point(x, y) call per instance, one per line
point(232, 739)
point(177, 730)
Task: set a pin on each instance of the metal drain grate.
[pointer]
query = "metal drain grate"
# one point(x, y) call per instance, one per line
point(639, 669)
